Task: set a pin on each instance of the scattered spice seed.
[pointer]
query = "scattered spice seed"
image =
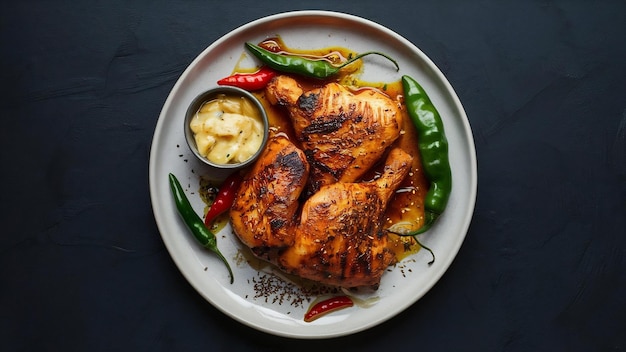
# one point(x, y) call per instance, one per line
point(273, 289)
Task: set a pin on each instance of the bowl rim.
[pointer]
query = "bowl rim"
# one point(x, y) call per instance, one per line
point(192, 109)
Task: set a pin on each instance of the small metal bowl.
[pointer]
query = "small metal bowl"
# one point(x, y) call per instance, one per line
point(197, 103)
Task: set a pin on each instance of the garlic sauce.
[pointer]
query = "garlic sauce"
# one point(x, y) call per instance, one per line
point(228, 129)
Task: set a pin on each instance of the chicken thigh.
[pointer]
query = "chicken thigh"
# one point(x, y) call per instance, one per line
point(343, 133)
point(339, 239)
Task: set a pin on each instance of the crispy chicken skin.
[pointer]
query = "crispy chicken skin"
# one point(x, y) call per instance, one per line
point(307, 210)
point(336, 237)
point(265, 206)
point(343, 134)
point(339, 239)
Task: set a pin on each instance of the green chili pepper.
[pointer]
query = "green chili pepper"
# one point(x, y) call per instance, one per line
point(202, 234)
point(319, 69)
point(433, 148)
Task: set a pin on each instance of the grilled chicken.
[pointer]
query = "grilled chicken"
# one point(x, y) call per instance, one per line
point(343, 133)
point(305, 210)
point(339, 239)
point(263, 213)
point(336, 237)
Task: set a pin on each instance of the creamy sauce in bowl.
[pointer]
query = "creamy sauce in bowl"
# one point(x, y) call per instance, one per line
point(228, 129)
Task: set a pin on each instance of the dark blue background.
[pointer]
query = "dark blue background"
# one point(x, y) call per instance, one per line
point(82, 264)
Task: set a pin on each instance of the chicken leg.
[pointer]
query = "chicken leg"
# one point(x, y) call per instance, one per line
point(264, 211)
point(339, 239)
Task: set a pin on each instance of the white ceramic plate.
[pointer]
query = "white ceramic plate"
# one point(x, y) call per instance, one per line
point(280, 312)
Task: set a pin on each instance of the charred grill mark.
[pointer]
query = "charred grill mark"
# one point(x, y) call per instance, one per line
point(328, 125)
point(320, 168)
point(276, 224)
point(343, 264)
point(262, 190)
point(308, 102)
point(293, 163)
point(367, 260)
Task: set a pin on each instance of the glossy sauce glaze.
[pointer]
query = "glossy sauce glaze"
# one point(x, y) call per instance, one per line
point(406, 209)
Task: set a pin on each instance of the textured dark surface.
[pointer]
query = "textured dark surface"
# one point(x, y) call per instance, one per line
point(83, 267)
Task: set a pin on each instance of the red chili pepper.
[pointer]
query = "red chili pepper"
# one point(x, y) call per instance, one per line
point(330, 305)
point(249, 81)
point(224, 199)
